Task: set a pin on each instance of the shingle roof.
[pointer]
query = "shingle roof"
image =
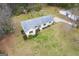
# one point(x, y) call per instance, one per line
point(31, 23)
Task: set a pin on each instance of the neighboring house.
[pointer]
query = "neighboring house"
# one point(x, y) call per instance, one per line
point(64, 12)
point(31, 26)
point(69, 14)
point(73, 18)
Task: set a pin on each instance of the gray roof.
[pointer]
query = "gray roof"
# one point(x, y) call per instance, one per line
point(32, 23)
point(72, 16)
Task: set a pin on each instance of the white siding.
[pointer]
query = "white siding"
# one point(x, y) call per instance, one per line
point(41, 27)
point(33, 33)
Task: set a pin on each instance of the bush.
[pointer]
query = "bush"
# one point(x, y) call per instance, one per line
point(19, 8)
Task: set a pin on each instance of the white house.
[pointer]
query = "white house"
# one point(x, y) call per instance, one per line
point(31, 26)
point(69, 14)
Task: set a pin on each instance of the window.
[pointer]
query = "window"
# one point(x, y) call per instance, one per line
point(31, 32)
point(44, 24)
point(49, 21)
point(36, 26)
point(39, 25)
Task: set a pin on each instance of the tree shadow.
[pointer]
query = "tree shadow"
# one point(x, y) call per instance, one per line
point(2, 53)
point(24, 35)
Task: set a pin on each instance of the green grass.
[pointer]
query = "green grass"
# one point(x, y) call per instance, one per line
point(54, 40)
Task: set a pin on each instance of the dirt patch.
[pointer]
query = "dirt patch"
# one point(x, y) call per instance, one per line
point(6, 43)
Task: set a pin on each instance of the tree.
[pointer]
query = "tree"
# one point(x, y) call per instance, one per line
point(23, 8)
point(64, 5)
point(17, 8)
point(5, 21)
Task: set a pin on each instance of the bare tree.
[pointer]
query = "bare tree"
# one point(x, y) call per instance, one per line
point(5, 22)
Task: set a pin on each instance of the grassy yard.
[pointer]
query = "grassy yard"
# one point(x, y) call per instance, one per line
point(54, 40)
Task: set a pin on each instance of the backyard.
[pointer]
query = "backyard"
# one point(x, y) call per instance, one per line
point(58, 39)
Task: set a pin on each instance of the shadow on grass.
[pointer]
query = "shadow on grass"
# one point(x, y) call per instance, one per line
point(3, 53)
point(23, 34)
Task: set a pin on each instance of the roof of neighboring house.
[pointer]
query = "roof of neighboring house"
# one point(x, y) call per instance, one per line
point(64, 12)
point(75, 11)
point(32, 23)
point(70, 14)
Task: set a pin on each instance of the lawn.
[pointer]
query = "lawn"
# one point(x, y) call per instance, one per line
point(57, 39)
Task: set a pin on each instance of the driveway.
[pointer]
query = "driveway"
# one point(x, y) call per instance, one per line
point(56, 19)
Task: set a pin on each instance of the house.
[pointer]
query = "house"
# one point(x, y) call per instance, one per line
point(69, 14)
point(31, 26)
point(65, 12)
point(73, 18)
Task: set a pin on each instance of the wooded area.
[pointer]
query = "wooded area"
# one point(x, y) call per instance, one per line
point(8, 10)
point(54, 40)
